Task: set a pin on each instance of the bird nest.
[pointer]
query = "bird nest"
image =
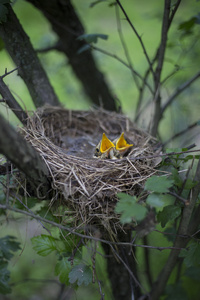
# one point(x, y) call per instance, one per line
point(89, 186)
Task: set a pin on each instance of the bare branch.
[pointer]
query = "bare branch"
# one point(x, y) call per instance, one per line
point(119, 28)
point(138, 36)
point(138, 111)
point(29, 66)
point(174, 10)
point(179, 90)
point(27, 159)
point(191, 126)
point(125, 64)
point(157, 75)
point(10, 100)
point(67, 25)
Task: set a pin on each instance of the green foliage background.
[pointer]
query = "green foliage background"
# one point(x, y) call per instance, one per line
point(182, 55)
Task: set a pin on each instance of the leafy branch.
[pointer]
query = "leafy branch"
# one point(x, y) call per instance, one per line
point(84, 236)
point(183, 230)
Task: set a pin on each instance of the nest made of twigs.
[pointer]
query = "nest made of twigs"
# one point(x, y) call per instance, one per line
point(66, 141)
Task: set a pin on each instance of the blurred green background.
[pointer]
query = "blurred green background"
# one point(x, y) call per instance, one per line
point(182, 54)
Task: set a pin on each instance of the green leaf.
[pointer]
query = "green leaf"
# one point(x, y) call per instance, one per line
point(92, 38)
point(8, 245)
point(83, 49)
point(44, 212)
point(44, 244)
point(82, 274)
point(129, 209)
point(4, 278)
point(68, 244)
point(158, 184)
point(193, 273)
point(175, 150)
point(170, 234)
point(191, 157)
point(190, 184)
point(176, 177)
point(168, 213)
point(187, 26)
point(155, 200)
point(30, 203)
point(62, 269)
point(176, 292)
point(191, 256)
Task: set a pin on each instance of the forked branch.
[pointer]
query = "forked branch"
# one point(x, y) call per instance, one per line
point(29, 66)
point(10, 100)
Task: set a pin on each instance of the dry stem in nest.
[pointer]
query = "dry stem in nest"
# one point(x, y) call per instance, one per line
point(66, 140)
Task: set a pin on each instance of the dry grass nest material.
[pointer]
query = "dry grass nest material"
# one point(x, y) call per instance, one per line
point(66, 140)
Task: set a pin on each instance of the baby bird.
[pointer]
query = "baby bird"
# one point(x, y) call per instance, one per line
point(105, 148)
point(122, 148)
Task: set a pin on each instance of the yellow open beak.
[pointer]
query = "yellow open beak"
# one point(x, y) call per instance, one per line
point(106, 144)
point(121, 144)
point(104, 147)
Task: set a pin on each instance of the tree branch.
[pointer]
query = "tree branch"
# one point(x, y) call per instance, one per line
point(29, 66)
point(11, 102)
point(137, 35)
point(27, 159)
point(191, 126)
point(180, 242)
point(125, 64)
point(179, 90)
point(119, 28)
point(157, 75)
point(138, 111)
point(66, 24)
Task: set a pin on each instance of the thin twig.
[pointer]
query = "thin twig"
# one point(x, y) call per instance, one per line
point(138, 36)
point(73, 231)
point(139, 103)
point(8, 73)
point(178, 197)
point(22, 203)
point(10, 100)
point(179, 90)
point(191, 126)
point(125, 47)
point(174, 10)
point(162, 155)
point(124, 63)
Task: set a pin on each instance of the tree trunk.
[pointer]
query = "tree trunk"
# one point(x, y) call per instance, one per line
point(20, 49)
point(68, 27)
point(124, 286)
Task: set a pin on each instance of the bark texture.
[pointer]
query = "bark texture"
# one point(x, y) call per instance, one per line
point(67, 25)
point(20, 49)
point(23, 156)
point(124, 286)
